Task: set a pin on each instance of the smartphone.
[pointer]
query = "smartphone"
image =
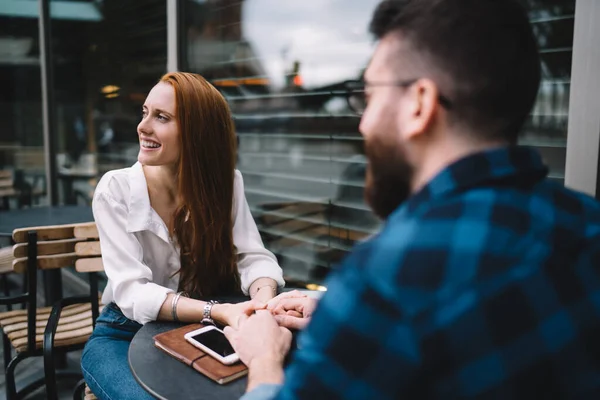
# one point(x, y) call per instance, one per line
point(213, 342)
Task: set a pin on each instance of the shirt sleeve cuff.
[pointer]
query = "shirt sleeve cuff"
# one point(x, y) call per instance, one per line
point(262, 269)
point(262, 392)
point(146, 304)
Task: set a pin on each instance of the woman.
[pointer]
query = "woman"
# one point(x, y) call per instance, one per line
point(173, 228)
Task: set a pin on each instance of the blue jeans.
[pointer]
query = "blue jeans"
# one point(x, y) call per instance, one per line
point(104, 361)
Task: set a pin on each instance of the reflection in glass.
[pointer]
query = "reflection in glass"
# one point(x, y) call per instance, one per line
point(105, 61)
point(284, 66)
point(22, 179)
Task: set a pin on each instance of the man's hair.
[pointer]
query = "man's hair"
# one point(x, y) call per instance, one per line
point(485, 50)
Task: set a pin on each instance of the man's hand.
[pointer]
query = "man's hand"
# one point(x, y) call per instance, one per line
point(262, 345)
point(271, 304)
point(230, 314)
point(293, 312)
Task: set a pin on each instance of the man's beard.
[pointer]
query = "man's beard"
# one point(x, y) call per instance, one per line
point(388, 177)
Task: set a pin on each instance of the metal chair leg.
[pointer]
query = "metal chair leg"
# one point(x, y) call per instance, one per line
point(79, 390)
point(11, 387)
point(25, 282)
point(7, 350)
point(5, 284)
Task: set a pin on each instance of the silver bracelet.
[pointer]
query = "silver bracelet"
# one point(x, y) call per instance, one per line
point(207, 317)
point(174, 306)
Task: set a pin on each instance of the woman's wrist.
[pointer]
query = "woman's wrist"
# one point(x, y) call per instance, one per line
point(218, 313)
point(263, 288)
point(265, 293)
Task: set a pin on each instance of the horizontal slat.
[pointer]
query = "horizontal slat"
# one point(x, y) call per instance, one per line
point(302, 257)
point(87, 249)
point(6, 183)
point(294, 197)
point(292, 208)
point(293, 115)
point(47, 248)
point(62, 327)
point(8, 192)
point(86, 231)
point(282, 195)
point(46, 262)
point(316, 179)
point(353, 159)
point(312, 235)
point(41, 323)
point(61, 339)
point(552, 19)
point(89, 265)
point(556, 50)
point(5, 174)
point(44, 233)
point(352, 205)
point(43, 313)
point(270, 217)
point(283, 95)
point(541, 142)
point(266, 135)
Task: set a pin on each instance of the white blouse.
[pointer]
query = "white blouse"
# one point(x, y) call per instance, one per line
point(139, 257)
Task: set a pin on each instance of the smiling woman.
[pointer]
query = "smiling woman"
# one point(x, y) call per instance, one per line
point(158, 130)
point(174, 228)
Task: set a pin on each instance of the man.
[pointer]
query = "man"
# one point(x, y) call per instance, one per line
point(484, 280)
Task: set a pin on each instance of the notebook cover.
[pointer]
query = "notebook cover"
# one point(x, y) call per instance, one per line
point(173, 343)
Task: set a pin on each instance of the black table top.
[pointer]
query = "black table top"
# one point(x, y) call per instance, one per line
point(167, 378)
point(42, 216)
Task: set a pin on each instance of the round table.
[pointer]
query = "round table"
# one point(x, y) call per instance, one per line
point(167, 378)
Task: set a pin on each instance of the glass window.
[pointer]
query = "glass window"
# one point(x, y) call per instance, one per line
point(553, 23)
point(22, 168)
point(107, 55)
point(282, 67)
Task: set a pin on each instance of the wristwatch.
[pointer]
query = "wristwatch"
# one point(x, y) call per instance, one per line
point(206, 317)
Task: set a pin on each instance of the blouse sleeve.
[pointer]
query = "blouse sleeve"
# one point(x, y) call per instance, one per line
point(131, 280)
point(254, 261)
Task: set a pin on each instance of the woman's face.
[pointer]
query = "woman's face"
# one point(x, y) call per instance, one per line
point(158, 131)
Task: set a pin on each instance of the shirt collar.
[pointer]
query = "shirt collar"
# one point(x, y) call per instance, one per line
point(513, 166)
point(140, 211)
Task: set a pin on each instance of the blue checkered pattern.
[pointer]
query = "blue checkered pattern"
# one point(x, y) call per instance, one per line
point(485, 284)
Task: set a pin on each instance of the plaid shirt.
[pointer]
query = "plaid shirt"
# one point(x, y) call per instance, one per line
point(485, 284)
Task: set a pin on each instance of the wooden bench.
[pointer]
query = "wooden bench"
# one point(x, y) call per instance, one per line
point(6, 260)
point(7, 189)
point(307, 226)
point(16, 187)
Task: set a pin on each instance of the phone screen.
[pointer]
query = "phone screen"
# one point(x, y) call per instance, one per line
point(216, 341)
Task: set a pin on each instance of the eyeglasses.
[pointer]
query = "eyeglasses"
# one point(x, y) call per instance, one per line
point(358, 102)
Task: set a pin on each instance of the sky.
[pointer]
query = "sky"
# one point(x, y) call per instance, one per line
point(329, 37)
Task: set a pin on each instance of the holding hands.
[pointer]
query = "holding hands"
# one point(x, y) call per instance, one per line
point(261, 336)
point(292, 310)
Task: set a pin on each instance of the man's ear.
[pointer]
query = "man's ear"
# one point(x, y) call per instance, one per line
point(420, 105)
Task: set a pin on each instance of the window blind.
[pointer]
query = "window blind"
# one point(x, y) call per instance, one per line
point(282, 66)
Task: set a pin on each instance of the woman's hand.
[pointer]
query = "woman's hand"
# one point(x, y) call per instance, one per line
point(229, 314)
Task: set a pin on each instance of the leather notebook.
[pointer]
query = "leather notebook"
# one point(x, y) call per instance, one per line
point(173, 343)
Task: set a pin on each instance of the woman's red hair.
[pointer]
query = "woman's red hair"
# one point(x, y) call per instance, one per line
point(202, 222)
